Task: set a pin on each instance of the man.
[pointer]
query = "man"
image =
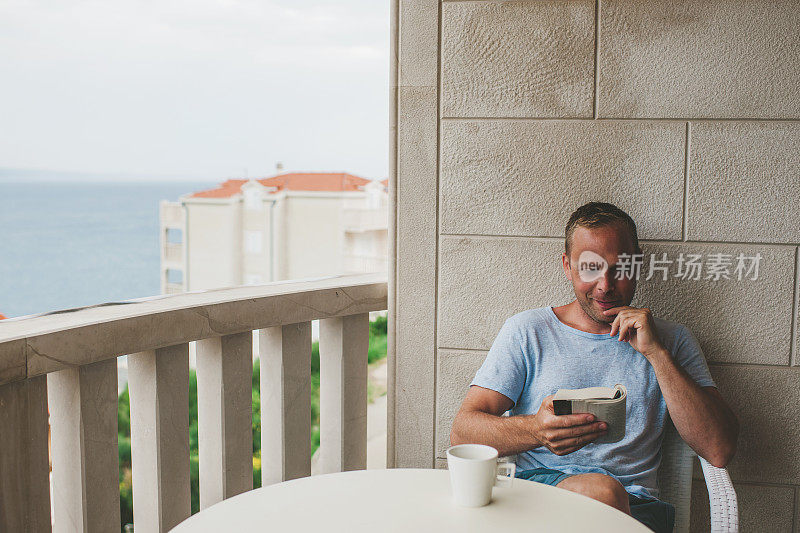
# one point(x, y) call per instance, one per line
point(597, 340)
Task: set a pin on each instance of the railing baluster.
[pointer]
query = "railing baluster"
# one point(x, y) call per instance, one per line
point(225, 410)
point(83, 434)
point(159, 397)
point(285, 353)
point(343, 345)
point(24, 472)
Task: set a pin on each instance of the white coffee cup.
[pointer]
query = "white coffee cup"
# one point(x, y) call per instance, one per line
point(474, 470)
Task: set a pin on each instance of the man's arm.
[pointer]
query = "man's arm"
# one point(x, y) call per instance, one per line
point(700, 414)
point(479, 422)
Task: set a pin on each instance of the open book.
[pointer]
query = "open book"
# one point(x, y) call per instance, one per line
point(607, 404)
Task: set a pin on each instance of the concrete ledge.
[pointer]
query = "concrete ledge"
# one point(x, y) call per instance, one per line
point(86, 335)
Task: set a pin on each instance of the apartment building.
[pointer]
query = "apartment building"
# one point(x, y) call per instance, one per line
point(289, 226)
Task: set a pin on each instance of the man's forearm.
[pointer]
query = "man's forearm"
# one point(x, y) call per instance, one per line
point(510, 435)
point(704, 421)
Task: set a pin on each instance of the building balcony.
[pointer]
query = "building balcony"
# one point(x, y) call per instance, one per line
point(173, 288)
point(172, 215)
point(361, 219)
point(365, 263)
point(172, 255)
point(66, 363)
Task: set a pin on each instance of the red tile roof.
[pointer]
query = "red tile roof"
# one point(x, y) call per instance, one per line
point(307, 181)
point(226, 190)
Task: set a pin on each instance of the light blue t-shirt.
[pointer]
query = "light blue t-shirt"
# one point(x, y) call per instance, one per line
point(535, 354)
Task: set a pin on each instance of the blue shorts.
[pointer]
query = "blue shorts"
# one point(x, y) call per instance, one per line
point(655, 514)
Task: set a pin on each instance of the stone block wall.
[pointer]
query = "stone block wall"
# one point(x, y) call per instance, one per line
point(685, 114)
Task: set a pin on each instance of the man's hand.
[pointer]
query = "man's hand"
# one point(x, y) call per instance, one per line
point(564, 434)
point(636, 326)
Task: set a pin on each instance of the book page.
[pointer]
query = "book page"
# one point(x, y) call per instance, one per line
point(602, 393)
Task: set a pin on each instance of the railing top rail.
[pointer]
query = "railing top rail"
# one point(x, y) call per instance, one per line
point(39, 344)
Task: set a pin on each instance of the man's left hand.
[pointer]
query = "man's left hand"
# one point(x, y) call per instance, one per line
point(635, 325)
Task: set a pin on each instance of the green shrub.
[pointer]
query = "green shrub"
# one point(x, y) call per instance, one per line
point(378, 327)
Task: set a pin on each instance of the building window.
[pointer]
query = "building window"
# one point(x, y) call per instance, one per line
point(253, 242)
point(174, 236)
point(174, 276)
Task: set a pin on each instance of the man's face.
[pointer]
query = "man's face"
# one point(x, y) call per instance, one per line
point(597, 289)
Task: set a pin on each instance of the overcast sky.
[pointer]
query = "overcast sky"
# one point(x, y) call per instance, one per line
point(194, 89)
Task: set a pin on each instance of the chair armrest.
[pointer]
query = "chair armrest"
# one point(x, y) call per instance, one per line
point(721, 498)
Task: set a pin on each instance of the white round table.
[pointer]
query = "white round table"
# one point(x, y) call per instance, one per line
point(414, 500)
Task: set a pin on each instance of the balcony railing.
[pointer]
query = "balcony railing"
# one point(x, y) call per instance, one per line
point(171, 214)
point(365, 263)
point(173, 254)
point(362, 219)
point(66, 362)
point(173, 288)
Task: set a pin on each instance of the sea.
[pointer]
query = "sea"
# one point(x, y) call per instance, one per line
point(71, 244)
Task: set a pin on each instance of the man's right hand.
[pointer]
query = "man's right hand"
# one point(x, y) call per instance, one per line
point(564, 434)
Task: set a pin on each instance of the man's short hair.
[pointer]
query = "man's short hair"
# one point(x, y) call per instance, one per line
point(596, 215)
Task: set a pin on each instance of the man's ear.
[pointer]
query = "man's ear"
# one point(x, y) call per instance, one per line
point(565, 264)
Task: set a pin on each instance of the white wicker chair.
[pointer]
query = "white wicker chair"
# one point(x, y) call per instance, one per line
point(675, 484)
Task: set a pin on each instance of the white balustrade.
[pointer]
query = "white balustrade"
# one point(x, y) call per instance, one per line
point(83, 441)
point(343, 347)
point(285, 402)
point(224, 416)
point(67, 361)
point(24, 483)
point(160, 436)
point(173, 254)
